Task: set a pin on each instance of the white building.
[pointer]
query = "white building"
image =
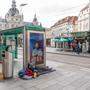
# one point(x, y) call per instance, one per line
point(83, 19)
point(2, 23)
point(83, 25)
point(12, 18)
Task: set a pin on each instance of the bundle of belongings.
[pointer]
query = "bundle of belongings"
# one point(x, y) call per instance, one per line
point(32, 72)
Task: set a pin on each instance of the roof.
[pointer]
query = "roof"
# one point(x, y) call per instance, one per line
point(70, 19)
point(12, 31)
point(35, 27)
point(87, 6)
point(19, 30)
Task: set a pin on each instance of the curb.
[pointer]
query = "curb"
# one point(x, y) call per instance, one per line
point(69, 54)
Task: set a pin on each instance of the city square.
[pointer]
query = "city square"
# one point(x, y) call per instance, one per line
point(47, 52)
point(72, 73)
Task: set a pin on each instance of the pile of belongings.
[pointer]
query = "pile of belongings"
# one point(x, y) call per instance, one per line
point(32, 72)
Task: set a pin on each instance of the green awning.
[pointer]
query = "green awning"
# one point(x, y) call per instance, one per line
point(55, 40)
point(60, 40)
point(63, 40)
point(70, 39)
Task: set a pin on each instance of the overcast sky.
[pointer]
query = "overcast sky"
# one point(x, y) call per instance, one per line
point(48, 11)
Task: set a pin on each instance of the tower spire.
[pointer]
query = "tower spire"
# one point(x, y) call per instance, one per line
point(35, 21)
point(35, 18)
point(13, 4)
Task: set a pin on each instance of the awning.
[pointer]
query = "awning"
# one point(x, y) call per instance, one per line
point(60, 40)
point(70, 39)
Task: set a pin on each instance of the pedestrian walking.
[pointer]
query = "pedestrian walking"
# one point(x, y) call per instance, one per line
point(84, 49)
point(73, 47)
point(77, 48)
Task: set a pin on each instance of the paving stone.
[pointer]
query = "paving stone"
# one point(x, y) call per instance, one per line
point(33, 88)
point(17, 88)
point(46, 84)
point(80, 82)
point(86, 86)
point(69, 88)
point(54, 87)
point(61, 79)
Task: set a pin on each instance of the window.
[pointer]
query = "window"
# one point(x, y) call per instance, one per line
point(86, 26)
point(12, 25)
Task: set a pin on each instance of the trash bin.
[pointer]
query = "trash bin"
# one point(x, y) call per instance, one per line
point(8, 64)
point(1, 70)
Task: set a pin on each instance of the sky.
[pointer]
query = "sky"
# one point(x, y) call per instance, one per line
point(48, 11)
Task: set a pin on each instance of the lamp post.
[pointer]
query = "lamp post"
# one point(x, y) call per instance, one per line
point(22, 5)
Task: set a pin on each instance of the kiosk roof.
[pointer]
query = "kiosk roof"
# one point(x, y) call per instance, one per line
point(19, 30)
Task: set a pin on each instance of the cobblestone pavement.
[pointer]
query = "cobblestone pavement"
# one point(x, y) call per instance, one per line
point(66, 77)
point(58, 51)
point(71, 60)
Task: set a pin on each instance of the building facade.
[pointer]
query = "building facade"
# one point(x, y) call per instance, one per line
point(83, 23)
point(83, 19)
point(62, 28)
point(49, 36)
point(83, 26)
point(13, 18)
point(2, 23)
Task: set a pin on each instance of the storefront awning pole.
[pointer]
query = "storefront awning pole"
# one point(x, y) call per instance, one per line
point(24, 47)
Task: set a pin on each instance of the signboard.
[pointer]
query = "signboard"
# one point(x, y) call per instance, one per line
point(36, 45)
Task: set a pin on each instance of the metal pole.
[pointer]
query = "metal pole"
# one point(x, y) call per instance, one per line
point(24, 47)
point(24, 39)
point(22, 5)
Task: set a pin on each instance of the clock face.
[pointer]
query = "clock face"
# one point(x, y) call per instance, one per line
point(17, 19)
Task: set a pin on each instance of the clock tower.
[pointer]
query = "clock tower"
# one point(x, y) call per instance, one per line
point(13, 17)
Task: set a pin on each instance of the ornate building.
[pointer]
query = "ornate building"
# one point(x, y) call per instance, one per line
point(83, 26)
point(12, 18)
point(2, 23)
point(62, 28)
point(35, 21)
point(83, 19)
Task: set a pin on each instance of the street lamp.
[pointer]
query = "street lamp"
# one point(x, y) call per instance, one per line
point(22, 5)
